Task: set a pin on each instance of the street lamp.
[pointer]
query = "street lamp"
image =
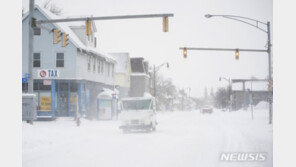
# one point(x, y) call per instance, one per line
point(229, 90)
point(255, 23)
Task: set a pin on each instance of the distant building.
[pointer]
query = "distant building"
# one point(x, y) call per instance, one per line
point(122, 73)
point(140, 77)
point(65, 78)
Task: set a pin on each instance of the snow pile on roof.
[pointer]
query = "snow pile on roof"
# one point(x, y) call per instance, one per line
point(28, 95)
point(140, 74)
point(122, 62)
point(262, 105)
point(65, 27)
point(107, 93)
point(146, 94)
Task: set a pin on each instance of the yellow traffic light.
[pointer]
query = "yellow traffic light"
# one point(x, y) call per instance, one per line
point(65, 39)
point(165, 24)
point(33, 22)
point(88, 27)
point(236, 54)
point(185, 52)
point(56, 37)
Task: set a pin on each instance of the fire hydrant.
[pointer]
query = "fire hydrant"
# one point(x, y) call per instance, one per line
point(78, 121)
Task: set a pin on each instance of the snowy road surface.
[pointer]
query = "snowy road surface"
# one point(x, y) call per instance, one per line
point(182, 139)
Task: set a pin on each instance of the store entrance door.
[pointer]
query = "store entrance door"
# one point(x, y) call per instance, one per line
point(64, 99)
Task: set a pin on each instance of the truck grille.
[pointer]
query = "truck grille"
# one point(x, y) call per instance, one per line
point(134, 121)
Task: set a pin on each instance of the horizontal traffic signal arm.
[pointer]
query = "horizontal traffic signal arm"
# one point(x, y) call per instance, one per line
point(104, 18)
point(224, 49)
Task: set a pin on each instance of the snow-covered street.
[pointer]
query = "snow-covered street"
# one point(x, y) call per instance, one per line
point(182, 139)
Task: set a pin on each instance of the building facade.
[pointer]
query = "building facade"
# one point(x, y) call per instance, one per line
point(122, 73)
point(66, 79)
point(140, 77)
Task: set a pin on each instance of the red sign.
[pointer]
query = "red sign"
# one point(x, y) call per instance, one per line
point(42, 73)
point(47, 82)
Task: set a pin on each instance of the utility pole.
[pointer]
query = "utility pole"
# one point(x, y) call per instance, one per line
point(229, 90)
point(154, 80)
point(31, 40)
point(269, 73)
point(252, 100)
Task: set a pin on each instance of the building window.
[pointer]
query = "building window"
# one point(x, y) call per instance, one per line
point(94, 65)
point(108, 68)
point(36, 60)
point(99, 65)
point(37, 30)
point(60, 60)
point(25, 87)
point(102, 67)
point(88, 63)
point(112, 70)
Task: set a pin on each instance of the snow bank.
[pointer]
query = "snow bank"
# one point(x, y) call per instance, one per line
point(188, 139)
point(262, 105)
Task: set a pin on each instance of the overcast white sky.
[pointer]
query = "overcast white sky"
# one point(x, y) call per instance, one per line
point(189, 27)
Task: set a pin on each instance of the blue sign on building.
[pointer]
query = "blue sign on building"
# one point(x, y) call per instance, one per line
point(27, 75)
point(24, 80)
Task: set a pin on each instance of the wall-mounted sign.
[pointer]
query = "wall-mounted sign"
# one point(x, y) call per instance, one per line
point(48, 73)
point(27, 75)
point(47, 82)
point(24, 80)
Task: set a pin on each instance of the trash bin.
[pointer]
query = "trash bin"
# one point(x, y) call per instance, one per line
point(29, 107)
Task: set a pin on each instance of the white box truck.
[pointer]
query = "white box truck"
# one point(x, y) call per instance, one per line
point(138, 113)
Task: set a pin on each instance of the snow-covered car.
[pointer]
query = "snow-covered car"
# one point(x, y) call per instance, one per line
point(207, 109)
point(138, 113)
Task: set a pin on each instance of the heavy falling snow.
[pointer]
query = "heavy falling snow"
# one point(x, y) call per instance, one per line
point(182, 139)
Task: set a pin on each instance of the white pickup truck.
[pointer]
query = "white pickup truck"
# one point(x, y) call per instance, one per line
point(138, 113)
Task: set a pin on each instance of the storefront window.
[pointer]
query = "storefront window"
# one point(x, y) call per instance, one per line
point(25, 87)
point(73, 102)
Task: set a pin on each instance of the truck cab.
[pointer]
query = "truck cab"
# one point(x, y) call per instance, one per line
point(138, 113)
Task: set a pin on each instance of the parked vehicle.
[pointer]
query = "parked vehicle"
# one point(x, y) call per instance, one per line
point(207, 109)
point(138, 113)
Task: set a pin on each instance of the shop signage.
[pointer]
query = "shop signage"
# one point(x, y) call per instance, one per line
point(48, 73)
point(27, 75)
point(45, 103)
point(24, 80)
point(47, 82)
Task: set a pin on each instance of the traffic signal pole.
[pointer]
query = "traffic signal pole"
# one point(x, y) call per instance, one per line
point(31, 40)
point(269, 74)
point(253, 23)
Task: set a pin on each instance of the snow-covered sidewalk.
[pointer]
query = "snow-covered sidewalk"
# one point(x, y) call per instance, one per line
point(188, 139)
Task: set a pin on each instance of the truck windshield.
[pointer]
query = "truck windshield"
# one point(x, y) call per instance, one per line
point(136, 104)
